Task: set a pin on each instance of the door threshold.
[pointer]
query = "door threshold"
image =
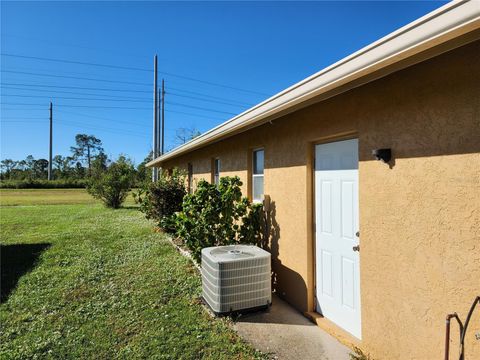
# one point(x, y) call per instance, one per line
point(333, 329)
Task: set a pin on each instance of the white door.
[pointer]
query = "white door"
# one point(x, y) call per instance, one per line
point(336, 220)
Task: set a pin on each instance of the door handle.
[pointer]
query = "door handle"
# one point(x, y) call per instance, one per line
point(356, 248)
point(357, 234)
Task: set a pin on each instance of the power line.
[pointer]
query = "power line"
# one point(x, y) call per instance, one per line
point(97, 117)
point(116, 107)
point(23, 104)
point(130, 122)
point(209, 96)
point(59, 44)
point(25, 109)
point(206, 100)
point(113, 131)
point(78, 124)
point(85, 106)
point(25, 118)
point(190, 114)
point(72, 98)
point(76, 62)
point(200, 108)
point(74, 77)
point(211, 83)
point(125, 90)
point(124, 131)
point(106, 107)
point(102, 118)
point(73, 93)
point(76, 87)
point(127, 98)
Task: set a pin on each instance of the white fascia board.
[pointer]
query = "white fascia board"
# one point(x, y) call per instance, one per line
point(446, 23)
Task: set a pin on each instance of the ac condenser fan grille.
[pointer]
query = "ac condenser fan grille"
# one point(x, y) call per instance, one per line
point(236, 278)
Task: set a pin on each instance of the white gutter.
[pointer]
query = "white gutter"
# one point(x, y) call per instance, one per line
point(448, 22)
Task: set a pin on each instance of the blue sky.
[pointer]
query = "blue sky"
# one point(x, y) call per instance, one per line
point(253, 49)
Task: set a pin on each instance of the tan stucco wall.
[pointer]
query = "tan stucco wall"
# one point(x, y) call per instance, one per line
point(419, 219)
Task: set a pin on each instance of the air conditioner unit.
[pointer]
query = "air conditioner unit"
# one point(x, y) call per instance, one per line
point(236, 278)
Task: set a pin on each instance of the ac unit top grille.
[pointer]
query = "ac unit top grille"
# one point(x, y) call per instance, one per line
point(233, 253)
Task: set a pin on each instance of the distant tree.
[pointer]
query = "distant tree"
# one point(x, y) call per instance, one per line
point(30, 166)
point(62, 166)
point(182, 135)
point(21, 165)
point(78, 170)
point(100, 163)
point(40, 167)
point(20, 173)
point(88, 146)
point(7, 166)
point(144, 173)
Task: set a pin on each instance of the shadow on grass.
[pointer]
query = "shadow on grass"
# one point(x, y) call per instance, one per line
point(16, 261)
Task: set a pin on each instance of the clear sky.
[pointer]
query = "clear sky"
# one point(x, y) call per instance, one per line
point(254, 49)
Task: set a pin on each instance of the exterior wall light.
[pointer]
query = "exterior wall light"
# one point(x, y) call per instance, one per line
point(384, 155)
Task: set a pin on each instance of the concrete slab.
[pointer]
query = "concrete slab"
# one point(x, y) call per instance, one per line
point(286, 334)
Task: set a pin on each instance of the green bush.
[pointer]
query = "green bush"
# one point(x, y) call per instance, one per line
point(214, 216)
point(160, 200)
point(113, 184)
point(42, 184)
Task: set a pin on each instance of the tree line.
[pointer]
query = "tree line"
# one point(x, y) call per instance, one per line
point(87, 157)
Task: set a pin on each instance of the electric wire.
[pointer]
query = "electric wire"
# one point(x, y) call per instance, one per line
point(77, 87)
point(76, 62)
point(131, 90)
point(120, 107)
point(211, 83)
point(74, 93)
point(74, 77)
point(139, 99)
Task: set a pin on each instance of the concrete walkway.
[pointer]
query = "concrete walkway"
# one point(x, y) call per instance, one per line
point(286, 334)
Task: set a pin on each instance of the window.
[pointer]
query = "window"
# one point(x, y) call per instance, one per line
point(216, 171)
point(190, 178)
point(257, 174)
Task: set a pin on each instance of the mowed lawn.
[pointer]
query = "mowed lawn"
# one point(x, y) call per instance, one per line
point(11, 197)
point(84, 282)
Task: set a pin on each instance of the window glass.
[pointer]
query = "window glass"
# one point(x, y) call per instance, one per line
point(216, 172)
point(257, 176)
point(190, 178)
point(257, 192)
point(258, 162)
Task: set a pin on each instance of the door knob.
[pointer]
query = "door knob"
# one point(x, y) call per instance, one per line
point(357, 234)
point(356, 248)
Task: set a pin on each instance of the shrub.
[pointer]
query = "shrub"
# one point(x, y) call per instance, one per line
point(160, 200)
point(113, 184)
point(214, 216)
point(43, 184)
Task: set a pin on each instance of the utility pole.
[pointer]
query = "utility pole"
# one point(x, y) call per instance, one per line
point(155, 120)
point(159, 119)
point(50, 147)
point(162, 151)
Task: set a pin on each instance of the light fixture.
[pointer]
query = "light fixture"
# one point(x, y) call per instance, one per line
point(384, 155)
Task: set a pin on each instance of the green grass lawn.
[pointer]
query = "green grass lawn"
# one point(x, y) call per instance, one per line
point(84, 282)
point(10, 197)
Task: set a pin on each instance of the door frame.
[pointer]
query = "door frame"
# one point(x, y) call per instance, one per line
point(312, 217)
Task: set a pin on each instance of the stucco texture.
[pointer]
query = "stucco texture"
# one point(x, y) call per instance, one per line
point(419, 217)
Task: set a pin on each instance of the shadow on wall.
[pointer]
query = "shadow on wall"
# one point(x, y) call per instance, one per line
point(283, 278)
point(16, 261)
